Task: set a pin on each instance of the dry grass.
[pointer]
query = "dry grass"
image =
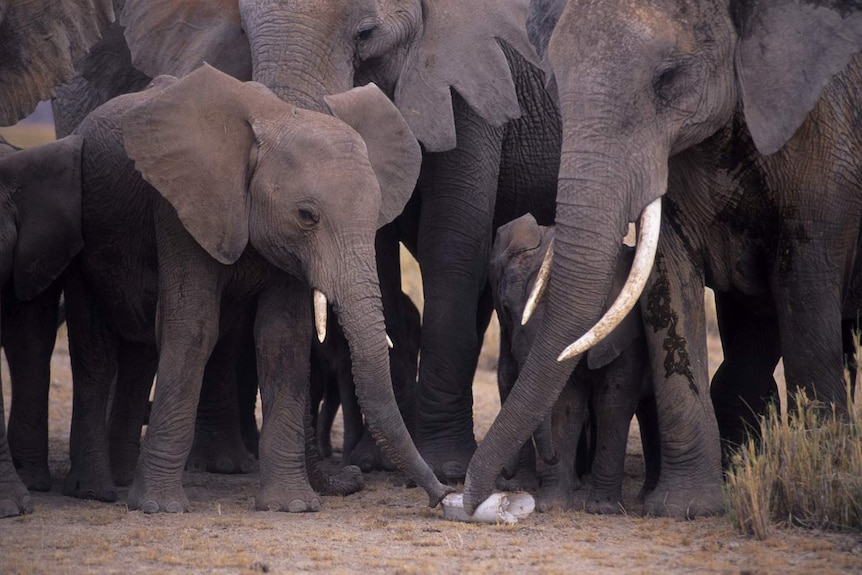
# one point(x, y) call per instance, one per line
point(806, 471)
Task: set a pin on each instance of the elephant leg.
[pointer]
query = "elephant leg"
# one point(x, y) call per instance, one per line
point(246, 376)
point(673, 313)
point(559, 481)
point(14, 497)
point(615, 400)
point(647, 414)
point(135, 372)
point(218, 445)
point(808, 304)
point(455, 230)
point(187, 327)
point(93, 350)
point(325, 401)
point(282, 331)
point(743, 385)
point(29, 333)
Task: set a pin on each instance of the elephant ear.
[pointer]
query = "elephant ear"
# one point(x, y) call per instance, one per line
point(460, 47)
point(177, 36)
point(45, 185)
point(788, 52)
point(193, 142)
point(40, 42)
point(393, 151)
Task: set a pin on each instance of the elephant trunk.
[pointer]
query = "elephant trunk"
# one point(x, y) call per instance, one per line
point(360, 313)
point(593, 207)
point(298, 69)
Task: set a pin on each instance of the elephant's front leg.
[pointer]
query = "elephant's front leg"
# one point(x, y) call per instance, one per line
point(282, 333)
point(14, 497)
point(187, 329)
point(458, 191)
point(672, 308)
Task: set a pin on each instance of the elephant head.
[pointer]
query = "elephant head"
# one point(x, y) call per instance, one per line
point(306, 190)
point(417, 51)
point(40, 226)
point(40, 42)
point(639, 82)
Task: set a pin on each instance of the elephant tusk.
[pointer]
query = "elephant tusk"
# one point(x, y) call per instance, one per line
point(541, 284)
point(320, 315)
point(389, 342)
point(641, 267)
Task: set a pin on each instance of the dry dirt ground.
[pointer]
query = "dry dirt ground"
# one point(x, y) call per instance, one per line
point(387, 528)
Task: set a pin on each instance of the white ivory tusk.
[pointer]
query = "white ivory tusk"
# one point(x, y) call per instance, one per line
point(320, 315)
point(389, 342)
point(540, 285)
point(641, 267)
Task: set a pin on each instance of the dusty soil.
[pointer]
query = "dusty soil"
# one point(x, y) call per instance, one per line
point(387, 528)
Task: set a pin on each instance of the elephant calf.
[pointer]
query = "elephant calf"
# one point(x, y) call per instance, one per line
point(611, 381)
point(40, 232)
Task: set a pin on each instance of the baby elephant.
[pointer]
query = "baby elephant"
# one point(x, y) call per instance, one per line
point(612, 381)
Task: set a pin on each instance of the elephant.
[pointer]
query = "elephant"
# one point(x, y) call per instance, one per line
point(732, 127)
point(40, 232)
point(467, 81)
point(206, 192)
point(613, 381)
point(40, 43)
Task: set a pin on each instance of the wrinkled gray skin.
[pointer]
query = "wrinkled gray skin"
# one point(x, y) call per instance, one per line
point(332, 386)
point(682, 99)
point(40, 231)
point(41, 40)
point(257, 226)
point(614, 383)
point(461, 73)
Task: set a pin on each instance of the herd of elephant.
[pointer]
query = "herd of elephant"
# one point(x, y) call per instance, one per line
point(232, 174)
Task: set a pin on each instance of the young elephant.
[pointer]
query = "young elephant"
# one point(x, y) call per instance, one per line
point(612, 381)
point(40, 231)
point(253, 201)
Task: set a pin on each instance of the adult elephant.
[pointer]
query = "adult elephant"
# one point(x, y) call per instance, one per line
point(258, 226)
point(40, 42)
point(464, 76)
point(744, 118)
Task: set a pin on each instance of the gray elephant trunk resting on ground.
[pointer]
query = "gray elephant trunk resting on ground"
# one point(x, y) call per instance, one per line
point(640, 84)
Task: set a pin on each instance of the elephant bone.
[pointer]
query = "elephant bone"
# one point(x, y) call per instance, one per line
point(497, 508)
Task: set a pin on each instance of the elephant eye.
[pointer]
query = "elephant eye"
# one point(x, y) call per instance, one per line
point(309, 216)
point(365, 33)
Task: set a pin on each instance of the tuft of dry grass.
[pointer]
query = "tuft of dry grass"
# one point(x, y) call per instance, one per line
point(806, 471)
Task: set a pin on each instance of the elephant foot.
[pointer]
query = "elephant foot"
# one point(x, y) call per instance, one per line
point(599, 504)
point(89, 484)
point(292, 500)
point(158, 500)
point(14, 498)
point(345, 481)
point(685, 503)
point(218, 453)
point(449, 464)
point(368, 457)
point(34, 477)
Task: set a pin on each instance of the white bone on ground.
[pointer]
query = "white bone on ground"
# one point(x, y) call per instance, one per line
point(498, 508)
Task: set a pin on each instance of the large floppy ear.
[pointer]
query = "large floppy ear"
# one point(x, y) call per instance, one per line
point(460, 48)
point(40, 42)
point(392, 149)
point(45, 185)
point(193, 142)
point(177, 36)
point(788, 52)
